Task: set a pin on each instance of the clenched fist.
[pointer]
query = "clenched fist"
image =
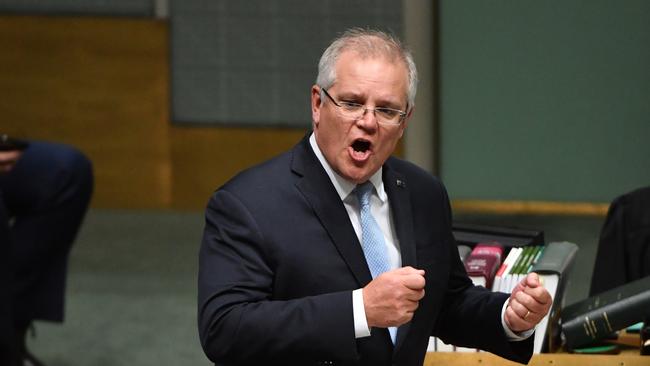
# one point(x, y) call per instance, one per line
point(529, 303)
point(392, 297)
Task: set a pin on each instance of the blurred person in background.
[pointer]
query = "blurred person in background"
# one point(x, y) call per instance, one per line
point(45, 189)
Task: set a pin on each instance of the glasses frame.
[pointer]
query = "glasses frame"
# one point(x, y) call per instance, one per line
point(374, 110)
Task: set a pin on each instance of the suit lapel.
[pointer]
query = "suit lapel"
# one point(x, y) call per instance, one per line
point(400, 202)
point(316, 187)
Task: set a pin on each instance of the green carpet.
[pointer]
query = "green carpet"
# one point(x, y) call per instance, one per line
point(131, 293)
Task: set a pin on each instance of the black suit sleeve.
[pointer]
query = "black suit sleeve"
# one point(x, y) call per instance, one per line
point(239, 320)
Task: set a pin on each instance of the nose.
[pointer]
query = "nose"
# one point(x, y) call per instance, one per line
point(368, 119)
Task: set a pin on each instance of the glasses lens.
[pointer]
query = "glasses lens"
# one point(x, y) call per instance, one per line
point(352, 110)
point(387, 115)
point(357, 111)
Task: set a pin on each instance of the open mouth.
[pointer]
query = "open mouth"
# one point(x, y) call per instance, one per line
point(361, 145)
point(360, 151)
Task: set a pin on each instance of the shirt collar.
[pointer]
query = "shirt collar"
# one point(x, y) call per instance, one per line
point(343, 186)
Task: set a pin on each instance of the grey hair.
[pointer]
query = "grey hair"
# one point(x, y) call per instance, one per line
point(367, 42)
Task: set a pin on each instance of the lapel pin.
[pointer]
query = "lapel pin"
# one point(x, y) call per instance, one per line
point(400, 183)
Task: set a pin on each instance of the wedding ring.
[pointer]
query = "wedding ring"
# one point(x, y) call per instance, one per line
point(526, 316)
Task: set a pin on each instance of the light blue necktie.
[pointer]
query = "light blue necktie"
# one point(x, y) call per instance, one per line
point(372, 239)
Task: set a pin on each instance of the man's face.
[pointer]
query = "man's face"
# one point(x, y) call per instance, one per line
point(357, 149)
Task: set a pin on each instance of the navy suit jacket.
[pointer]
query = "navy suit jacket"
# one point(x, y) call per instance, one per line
point(280, 258)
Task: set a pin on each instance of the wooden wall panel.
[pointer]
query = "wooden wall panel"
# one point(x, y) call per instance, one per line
point(203, 158)
point(100, 84)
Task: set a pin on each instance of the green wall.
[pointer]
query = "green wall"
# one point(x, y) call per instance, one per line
point(544, 100)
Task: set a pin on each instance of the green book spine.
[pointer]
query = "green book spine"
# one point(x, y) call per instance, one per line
point(529, 259)
point(538, 253)
point(522, 260)
point(516, 270)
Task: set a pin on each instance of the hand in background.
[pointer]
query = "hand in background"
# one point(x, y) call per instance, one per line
point(8, 159)
point(528, 304)
point(392, 297)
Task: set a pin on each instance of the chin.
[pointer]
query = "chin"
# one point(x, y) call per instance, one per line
point(357, 172)
point(358, 176)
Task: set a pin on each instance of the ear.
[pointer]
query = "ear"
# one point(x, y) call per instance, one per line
point(315, 105)
point(405, 122)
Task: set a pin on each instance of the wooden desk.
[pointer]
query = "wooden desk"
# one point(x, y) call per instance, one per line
point(546, 359)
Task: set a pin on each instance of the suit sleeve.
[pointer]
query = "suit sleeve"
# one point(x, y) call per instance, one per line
point(471, 315)
point(239, 320)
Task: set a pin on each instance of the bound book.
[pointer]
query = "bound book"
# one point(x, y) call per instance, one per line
point(505, 268)
point(553, 266)
point(511, 279)
point(527, 265)
point(482, 263)
point(599, 316)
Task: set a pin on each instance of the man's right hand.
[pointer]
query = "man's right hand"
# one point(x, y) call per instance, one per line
point(392, 297)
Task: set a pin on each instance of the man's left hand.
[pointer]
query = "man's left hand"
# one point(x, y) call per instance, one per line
point(528, 304)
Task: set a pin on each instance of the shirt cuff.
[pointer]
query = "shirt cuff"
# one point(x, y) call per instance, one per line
point(361, 328)
point(512, 336)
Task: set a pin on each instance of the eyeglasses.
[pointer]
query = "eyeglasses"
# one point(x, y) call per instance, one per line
point(356, 111)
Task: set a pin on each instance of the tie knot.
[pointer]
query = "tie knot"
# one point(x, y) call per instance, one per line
point(363, 192)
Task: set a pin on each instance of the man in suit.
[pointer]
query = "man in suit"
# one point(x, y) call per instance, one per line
point(45, 189)
point(299, 264)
